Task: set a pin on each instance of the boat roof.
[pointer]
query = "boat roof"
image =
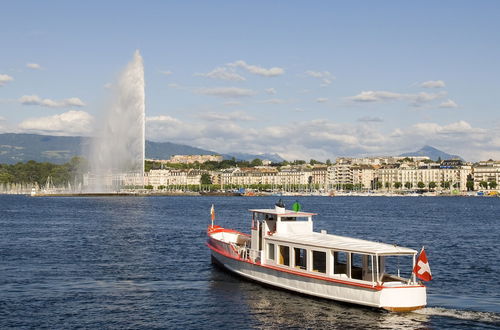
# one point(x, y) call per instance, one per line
point(286, 213)
point(343, 243)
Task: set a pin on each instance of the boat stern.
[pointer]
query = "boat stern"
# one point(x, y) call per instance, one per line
point(403, 298)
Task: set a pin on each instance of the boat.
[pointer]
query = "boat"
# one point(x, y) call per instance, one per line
point(283, 251)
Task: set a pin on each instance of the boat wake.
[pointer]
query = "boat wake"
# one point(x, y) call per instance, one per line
point(486, 317)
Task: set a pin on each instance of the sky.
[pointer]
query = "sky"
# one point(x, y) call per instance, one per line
point(304, 79)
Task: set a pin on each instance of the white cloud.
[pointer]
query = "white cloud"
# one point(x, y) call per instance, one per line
point(173, 85)
point(166, 73)
point(325, 76)
point(336, 138)
point(318, 74)
point(69, 123)
point(448, 104)
point(232, 116)
point(36, 100)
point(167, 128)
point(433, 84)
point(5, 78)
point(3, 125)
point(369, 119)
point(326, 82)
point(271, 91)
point(163, 119)
point(107, 85)
point(458, 137)
point(274, 101)
point(376, 96)
point(321, 100)
point(423, 97)
point(385, 96)
point(254, 69)
point(322, 139)
point(223, 74)
point(34, 66)
point(226, 92)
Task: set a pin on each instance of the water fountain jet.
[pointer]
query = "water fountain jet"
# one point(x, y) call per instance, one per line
point(117, 150)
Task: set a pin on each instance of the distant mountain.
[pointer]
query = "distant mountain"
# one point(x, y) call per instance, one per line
point(432, 153)
point(163, 150)
point(59, 149)
point(275, 158)
point(42, 148)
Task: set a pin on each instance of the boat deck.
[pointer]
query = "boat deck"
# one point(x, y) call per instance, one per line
point(330, 241)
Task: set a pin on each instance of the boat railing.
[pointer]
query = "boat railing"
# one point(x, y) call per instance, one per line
point(386, 279)
point(242, 250)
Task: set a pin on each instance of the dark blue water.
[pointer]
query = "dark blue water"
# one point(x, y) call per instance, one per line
point(142, 263)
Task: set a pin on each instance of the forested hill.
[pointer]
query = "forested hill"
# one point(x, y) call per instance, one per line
point(16, 148)
point(41, 148)
point(60, 149)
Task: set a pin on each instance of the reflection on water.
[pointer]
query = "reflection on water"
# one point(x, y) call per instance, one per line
point(270, 308)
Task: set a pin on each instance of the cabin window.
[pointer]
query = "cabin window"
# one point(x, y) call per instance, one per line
point(340, 262)
point(270, 251)
point(260, 216)
point(356, 266)
point(270, 217)
point(284, 255)
point(400, 267)
point(319, 261)
point(300, 258)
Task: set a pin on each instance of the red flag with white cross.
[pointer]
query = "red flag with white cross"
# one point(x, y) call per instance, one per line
point(422, 269)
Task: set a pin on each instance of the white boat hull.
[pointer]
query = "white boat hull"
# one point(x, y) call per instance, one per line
point(402, 298)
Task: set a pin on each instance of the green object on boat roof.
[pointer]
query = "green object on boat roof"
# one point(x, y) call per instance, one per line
point(296, 207)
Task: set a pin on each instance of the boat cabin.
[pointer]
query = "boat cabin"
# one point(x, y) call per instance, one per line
point(285, 239)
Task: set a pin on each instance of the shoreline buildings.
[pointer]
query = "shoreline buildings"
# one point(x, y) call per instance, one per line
point(369, 173)
point(189, 159)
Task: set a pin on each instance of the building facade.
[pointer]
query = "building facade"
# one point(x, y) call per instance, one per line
point(486, 172)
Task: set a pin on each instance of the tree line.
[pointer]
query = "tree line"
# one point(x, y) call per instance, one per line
point(35, 172)
point(227, 163)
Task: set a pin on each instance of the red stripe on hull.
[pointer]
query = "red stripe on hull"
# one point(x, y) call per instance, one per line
point(235, 256)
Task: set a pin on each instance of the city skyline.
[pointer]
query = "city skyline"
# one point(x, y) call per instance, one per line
point(304, 81)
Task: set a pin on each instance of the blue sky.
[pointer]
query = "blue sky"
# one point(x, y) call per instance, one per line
point(303, 79)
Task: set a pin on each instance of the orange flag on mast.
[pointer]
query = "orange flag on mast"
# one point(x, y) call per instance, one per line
point(422, 269)
point(212, 212)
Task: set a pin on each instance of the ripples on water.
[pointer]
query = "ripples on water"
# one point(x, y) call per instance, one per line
point(142, 263)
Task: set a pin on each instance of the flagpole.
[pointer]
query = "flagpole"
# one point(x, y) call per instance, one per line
point(422, 267)
point(414, 276)
point(212, 214)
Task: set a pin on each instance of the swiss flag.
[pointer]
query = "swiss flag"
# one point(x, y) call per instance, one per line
point(422, 269)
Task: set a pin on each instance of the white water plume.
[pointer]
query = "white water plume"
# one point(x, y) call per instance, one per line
point(118, 147)
point(488, 317)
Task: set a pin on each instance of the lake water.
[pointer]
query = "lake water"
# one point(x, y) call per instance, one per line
point(131, 262)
